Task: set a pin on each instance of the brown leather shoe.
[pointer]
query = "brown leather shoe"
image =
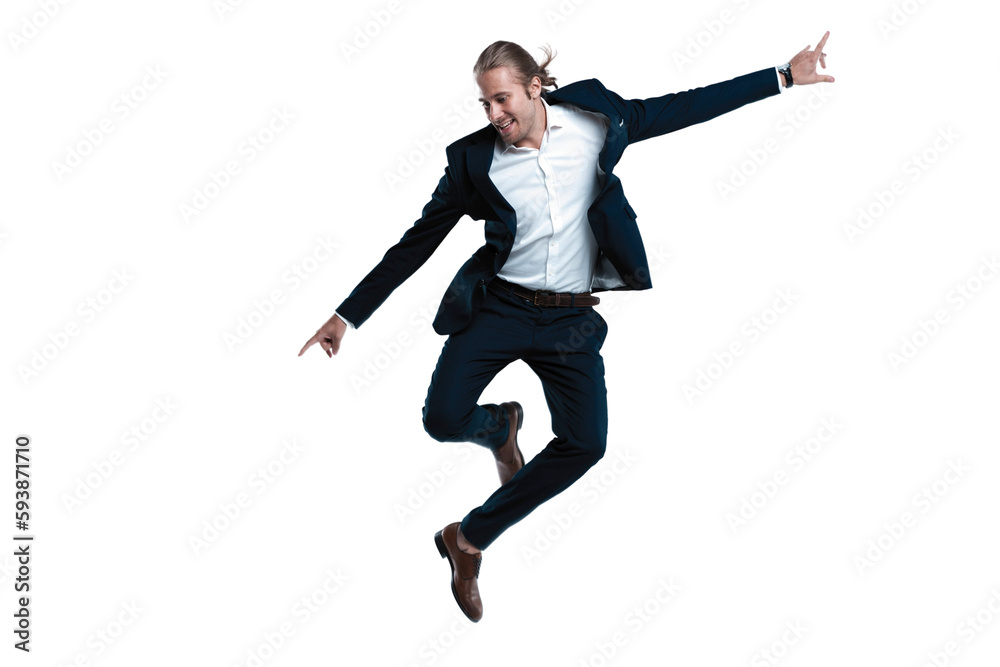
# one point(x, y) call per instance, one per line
point(464, 571)
point(509, 458)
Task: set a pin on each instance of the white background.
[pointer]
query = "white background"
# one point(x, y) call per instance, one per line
point(553, 594)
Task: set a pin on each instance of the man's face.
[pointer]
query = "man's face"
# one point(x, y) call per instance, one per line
point(509, 107)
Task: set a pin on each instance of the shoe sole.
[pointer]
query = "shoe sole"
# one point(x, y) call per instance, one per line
point(443, 550)
point(520, 414)
point(520, 423)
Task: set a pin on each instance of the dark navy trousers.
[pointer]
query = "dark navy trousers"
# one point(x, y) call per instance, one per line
point(563, 348)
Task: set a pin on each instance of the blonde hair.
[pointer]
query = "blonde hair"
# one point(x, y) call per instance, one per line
point(520, 62)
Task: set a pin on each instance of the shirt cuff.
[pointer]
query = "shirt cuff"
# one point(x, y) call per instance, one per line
point(346, 321)
point(781, 81)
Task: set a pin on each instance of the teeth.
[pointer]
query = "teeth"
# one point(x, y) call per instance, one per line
point(506, 124)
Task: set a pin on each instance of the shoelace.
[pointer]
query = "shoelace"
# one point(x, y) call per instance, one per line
point(479, 563)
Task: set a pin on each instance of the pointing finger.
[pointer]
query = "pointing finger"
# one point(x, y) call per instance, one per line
point(822, 42)
point(309, 343)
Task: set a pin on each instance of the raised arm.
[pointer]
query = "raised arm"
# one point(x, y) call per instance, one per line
point(654, 116)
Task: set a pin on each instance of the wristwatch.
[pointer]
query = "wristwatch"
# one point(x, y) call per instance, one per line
point(786, 69)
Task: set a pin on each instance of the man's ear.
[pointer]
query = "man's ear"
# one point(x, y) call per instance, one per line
point(535, 88)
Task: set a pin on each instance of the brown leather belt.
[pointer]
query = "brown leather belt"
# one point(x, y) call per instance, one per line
point(544, 298)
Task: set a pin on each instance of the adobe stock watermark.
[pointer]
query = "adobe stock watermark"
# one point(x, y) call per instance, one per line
point(612, 301)
point(796, 458)
point(434, 647)
point(633, 622)
point(107, 635)
point(257, 483)
point(912, 170)
point(785, 127)
point(131, 440)
point(711, 30)
point(591, 490)
point(218, 180)
point(377, 22)
point(611, 304)
point(301, 612)
point(419, 494)
point(560, 12)
point(375, 365)
point(87, 310)
point(966, 631)
point(223, 8)
point(123, 106)
point(32, 24)
point(779, 648)
point(292, 279)
point(899, 15)
point(923, 501)
point(751, 331)
point(956, 299)
point(410, 161)
point(577, 336)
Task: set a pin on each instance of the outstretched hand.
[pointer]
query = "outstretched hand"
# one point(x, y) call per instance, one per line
point(804, 65)
point(328, 336)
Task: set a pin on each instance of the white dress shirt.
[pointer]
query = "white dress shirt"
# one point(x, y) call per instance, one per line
point(550, 189)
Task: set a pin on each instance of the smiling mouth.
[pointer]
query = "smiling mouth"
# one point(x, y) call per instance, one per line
point(504, 128)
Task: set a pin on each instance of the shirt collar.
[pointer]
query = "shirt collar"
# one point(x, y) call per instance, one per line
point(554, 118)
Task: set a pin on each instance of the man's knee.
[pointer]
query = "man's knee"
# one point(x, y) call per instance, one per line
point(441, 425)
point(590, 445)
point(595, 447)
point(435, 426)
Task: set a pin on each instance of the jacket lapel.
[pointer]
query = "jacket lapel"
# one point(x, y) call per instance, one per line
point(579, 95)
point(480, 157)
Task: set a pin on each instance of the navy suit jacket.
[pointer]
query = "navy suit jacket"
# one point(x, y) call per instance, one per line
point(466, 189)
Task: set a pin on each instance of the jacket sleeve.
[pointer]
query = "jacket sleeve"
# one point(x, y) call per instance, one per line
point(651, 117)
point(438, 218)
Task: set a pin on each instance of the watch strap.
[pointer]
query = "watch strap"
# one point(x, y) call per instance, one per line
point(786, 70)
